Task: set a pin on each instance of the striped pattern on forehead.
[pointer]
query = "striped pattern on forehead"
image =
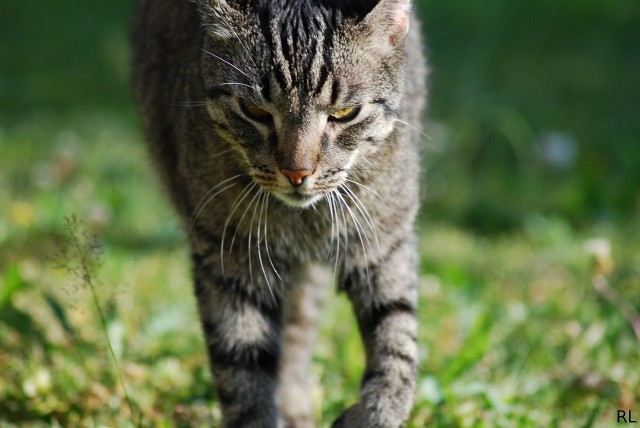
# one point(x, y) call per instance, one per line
point(301, 35)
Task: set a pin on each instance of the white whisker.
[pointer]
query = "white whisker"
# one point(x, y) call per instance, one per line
point(414, 128)
point(201, 206)
point(266, 237)
point(236, 203)
point(224, 152)
point(233, 238)
point(358, 224)
point(364, 187)
point(344, 222)
point(239, 84)
point(264, 272)
point(364, 212)
point(328, 200)
point(373, 167)
point(229, 64)
point(360, 231)
point(254, 201)
point(334, 219)
point(189, 104)
point(240, 40)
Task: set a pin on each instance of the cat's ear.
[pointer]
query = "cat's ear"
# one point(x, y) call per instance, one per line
point(387, 24)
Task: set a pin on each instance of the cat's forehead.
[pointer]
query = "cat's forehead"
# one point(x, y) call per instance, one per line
point(322, 92)
point(297, 50)
point(301, 43)
point(303, 50)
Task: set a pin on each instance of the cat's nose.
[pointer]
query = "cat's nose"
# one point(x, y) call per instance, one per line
point(296, 177)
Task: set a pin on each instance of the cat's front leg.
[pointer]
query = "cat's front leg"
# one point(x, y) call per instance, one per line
point(385, 300)
point(299, 331)
point(242, 333)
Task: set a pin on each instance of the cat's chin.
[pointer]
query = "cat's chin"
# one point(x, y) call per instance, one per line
point(298, 200)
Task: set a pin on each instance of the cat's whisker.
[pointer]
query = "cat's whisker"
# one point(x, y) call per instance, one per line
point(197, 214)
point(240, 84)
point(364, 212)
point(359, 224)
point(328, 201)
point(260, 203)
point(376, 168)
point(394, 166)
point(246, 210)
point(236, 203)
point(336, 221)
point(224, 152)
point(201, 206)
point(367, 160)
point(249, 249)
point(253, 202)
point(190, 104)
point(266, 236)
point(229, 64)
point(372, 166)
point(240, 41)
point(264, 272)
point(360, 231)
point(344, 222)
point(364, 187)
point(414, 128)
point(338, 234)
point(333, 223)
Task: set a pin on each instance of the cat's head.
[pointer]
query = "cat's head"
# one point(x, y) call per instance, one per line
point(303, 90)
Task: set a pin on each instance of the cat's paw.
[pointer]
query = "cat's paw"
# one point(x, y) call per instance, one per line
point(358, 417)
point(299, 421)
point(350, 418)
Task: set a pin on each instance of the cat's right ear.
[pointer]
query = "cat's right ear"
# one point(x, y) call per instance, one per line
point(386, 23)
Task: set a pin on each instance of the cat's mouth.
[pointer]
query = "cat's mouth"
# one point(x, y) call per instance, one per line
point(297, 198)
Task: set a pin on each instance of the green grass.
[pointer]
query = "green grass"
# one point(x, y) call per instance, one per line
point(513, 334)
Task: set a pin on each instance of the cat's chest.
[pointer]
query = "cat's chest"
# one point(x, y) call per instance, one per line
point(301, 234)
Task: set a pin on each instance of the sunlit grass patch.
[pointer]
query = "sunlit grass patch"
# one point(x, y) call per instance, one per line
point(520, 337)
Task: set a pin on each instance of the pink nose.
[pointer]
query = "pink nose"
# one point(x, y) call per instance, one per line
point(296, 177)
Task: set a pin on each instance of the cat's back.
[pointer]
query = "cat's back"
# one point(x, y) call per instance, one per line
point(164, 34)
point(161, 26)
point(166, 38)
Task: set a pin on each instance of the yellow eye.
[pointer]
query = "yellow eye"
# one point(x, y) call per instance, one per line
point(255, 113)
point(345, 114)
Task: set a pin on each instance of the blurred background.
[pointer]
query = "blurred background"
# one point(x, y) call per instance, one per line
point(531, 200)
point(540, 111)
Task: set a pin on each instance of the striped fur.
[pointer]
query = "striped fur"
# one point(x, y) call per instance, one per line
point(263, 249)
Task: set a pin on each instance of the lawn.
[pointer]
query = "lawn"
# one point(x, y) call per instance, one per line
point(513, 331)
point(530, 258)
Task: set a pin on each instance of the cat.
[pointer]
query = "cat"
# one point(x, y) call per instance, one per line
point(284, 131)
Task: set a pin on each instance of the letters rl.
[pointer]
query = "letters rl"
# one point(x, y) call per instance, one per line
point(626, 417)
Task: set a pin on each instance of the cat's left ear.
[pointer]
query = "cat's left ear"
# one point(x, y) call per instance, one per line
point(387, 24)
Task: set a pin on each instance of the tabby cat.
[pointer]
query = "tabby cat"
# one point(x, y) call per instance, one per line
point(282, 131)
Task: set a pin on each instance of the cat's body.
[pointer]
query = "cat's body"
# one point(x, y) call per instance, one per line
point(277, 128)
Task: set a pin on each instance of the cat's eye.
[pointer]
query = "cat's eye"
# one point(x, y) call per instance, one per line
point(256, 113)
point(344, 114)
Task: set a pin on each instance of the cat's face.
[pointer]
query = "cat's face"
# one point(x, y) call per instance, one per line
point(303, 91)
